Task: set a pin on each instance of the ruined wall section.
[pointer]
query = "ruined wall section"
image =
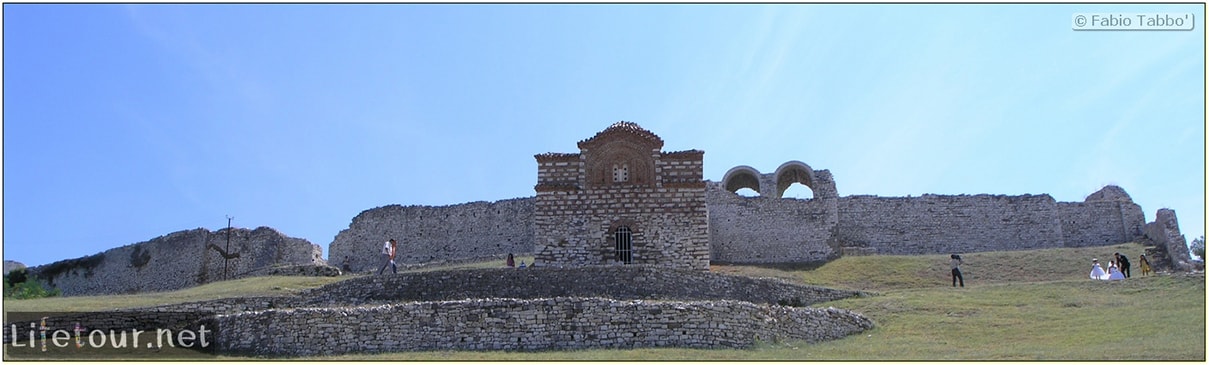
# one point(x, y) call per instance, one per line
point(428, 234)
point(767, 229)
point(1100, 223)
point(178, 260)
point(1171, 251)
point(938, 224)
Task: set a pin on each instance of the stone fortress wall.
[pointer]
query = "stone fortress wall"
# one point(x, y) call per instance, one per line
point(766, 230)
point(770, 229)
point(763, 229)
point(426, 234)
point(179, 260)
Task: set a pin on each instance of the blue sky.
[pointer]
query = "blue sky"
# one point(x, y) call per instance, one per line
point(126, 122)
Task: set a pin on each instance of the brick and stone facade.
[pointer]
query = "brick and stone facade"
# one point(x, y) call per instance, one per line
point(621, 200)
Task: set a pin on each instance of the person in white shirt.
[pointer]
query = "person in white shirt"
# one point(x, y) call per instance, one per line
point(388, 255)
point(955, 264)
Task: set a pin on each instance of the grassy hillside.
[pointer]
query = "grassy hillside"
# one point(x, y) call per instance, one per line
point(247, 287)
point(1028, 305)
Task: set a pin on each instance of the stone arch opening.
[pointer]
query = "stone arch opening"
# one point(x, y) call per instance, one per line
point(747, 193)
point(798, 191)
point(741, 177)
point(795, 172)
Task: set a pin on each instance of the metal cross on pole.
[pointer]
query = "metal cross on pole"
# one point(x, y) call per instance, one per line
point(228, 249)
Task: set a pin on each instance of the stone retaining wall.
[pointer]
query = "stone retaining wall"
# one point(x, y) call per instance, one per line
point(616, 282)
point(526, 324)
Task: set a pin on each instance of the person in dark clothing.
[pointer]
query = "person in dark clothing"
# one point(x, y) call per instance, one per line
point(955, 264)
point(1123, 264)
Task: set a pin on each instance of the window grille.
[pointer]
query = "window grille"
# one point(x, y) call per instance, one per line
point(624, 250)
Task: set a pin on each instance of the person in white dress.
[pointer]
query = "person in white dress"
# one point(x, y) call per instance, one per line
point(1097, 273)
point(1114, 273)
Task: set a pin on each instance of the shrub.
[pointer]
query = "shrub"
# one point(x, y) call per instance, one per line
point(1198, 247)
point(17, 285)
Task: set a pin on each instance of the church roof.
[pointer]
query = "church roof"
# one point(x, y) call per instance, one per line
point(624, 129)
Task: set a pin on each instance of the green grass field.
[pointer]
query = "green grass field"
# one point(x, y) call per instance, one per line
point(1027, 305)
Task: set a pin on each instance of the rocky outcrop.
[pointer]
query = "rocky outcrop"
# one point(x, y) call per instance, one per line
point(10, 265)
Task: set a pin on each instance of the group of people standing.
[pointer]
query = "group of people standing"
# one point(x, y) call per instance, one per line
point(511, 261)
point(1118, 268)
point(391, 247)
point(388, 258)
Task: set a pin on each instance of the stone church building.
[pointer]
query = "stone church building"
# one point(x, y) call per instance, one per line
point(621, 200)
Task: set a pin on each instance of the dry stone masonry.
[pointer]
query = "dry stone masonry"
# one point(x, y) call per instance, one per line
point(501, 309)
point(526, 324)
point(617, 282)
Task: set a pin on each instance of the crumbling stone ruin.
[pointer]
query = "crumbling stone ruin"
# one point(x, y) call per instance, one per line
point(1170, 251)
point(183, 259)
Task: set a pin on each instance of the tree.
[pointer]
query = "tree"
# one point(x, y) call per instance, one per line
point(1198, 247)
